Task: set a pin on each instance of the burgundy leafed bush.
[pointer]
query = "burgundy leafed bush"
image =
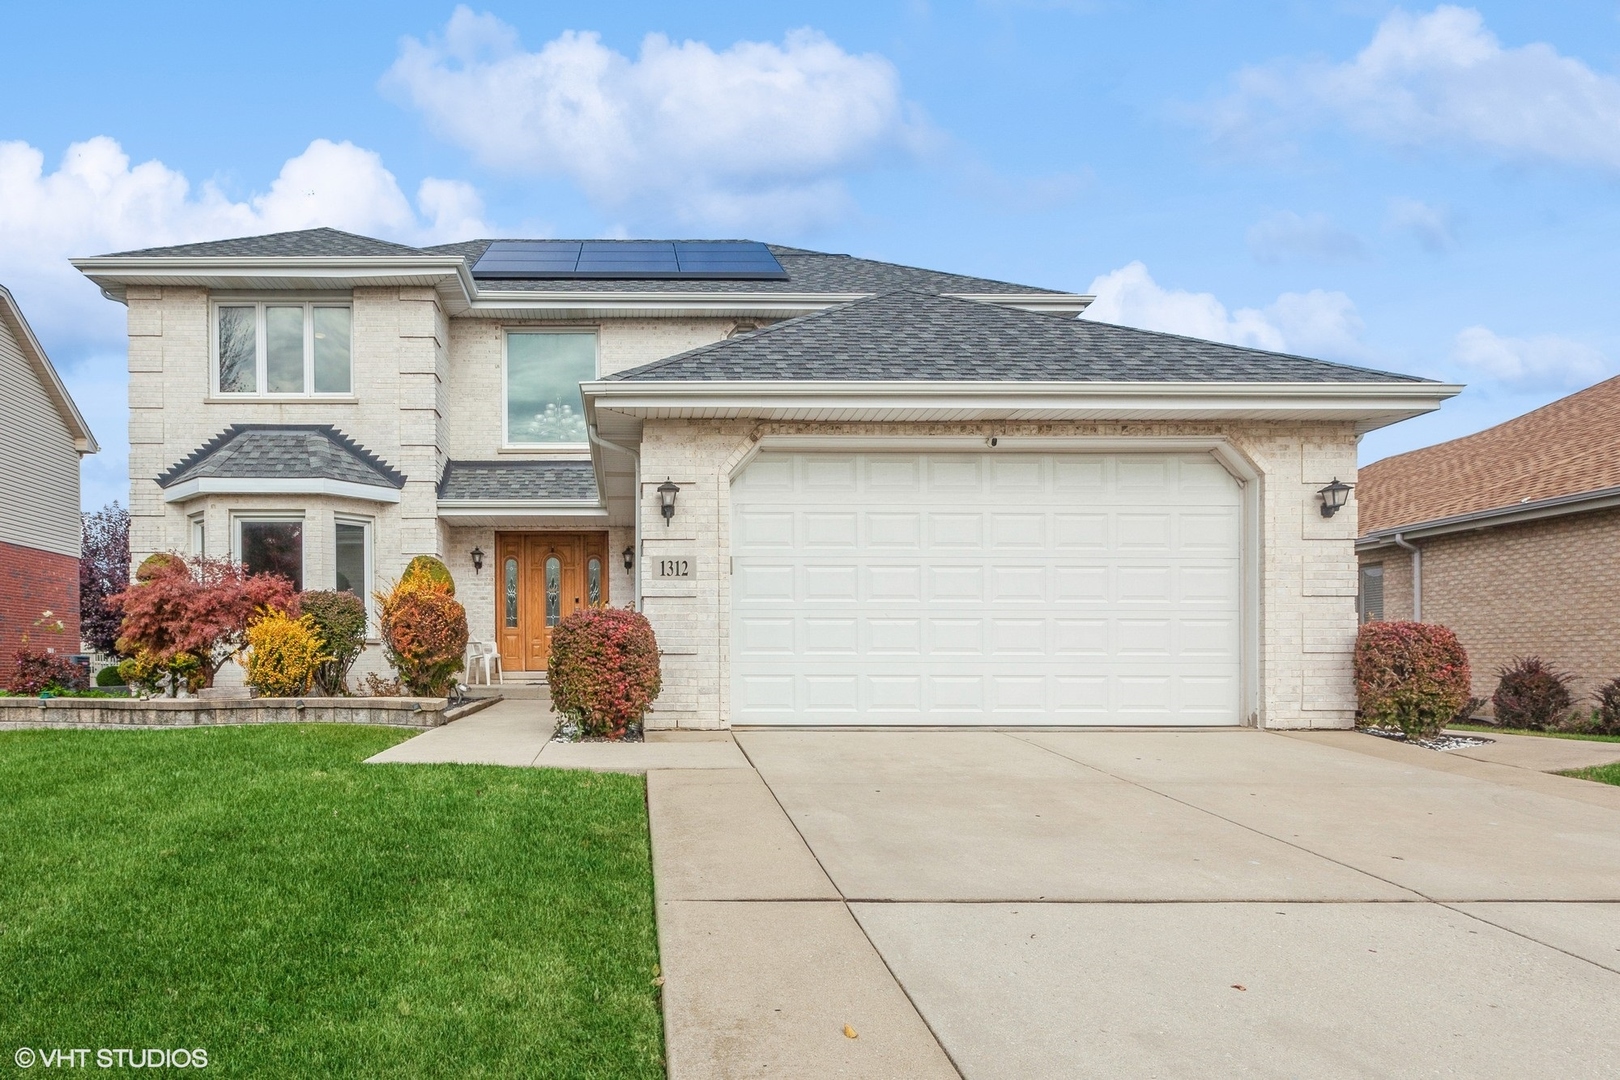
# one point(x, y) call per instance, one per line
point(1531, 694)
point(603, 669)
point(1410, 675)
point(38, 670)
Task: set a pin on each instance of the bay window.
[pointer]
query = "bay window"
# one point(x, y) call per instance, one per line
point(272, 545)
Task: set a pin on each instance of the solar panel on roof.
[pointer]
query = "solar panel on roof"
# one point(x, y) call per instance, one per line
point(741, 260)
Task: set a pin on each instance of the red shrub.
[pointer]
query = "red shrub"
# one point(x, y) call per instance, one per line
point(1410, 675)
point(41, 669)
point(199, 606)
point(603, 669)
point(1531, 694)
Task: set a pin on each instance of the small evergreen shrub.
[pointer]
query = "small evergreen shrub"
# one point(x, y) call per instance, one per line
point(424, 632)
point(1531, 694)
point(109, 676)
point(1410, 675)
point(340, 617)
point(1606, 721)
point(283, 654)
point(151, 674)
point(603, 669)
point(429, 568)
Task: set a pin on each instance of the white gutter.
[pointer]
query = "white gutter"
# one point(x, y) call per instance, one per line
point(1580, 502)
point(216, 485)
point(635, 519)
point(1384, 402)
point(125, 270)
point(1417, 576)
point(515, 507)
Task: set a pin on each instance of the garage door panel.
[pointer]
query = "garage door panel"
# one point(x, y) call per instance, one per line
point(1021, 589)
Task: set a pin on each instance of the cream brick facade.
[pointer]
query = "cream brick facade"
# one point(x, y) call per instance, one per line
point(1548, 588)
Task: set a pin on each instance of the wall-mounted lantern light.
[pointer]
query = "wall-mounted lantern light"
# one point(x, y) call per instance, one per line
point(666, 499)
point(1333, 497)
point(478, 559)
point(629, 558)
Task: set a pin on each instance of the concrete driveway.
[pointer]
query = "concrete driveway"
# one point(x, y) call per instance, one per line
point(1109, 904)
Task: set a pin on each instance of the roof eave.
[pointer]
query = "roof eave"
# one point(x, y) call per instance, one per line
point(1517, 513)
point(1368, 405)
point(114, 274)
point(84, 440)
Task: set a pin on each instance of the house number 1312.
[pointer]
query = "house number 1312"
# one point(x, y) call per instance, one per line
point(674, 568)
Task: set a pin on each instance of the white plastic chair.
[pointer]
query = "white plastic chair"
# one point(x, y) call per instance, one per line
point(484, 654)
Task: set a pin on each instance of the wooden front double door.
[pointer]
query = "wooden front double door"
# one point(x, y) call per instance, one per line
point(541, 579)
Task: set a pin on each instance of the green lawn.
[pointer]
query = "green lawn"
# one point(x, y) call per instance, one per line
point(258, 892)
point(1603, 774)
point(1489, 730)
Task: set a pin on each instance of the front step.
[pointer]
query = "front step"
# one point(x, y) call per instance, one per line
point(512, 691)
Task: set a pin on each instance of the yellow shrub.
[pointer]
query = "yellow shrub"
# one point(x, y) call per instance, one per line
point(283, 654)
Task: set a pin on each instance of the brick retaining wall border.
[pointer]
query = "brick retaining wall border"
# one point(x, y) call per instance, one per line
point(421, 713)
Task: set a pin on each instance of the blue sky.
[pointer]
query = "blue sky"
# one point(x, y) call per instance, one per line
point(1424, 189)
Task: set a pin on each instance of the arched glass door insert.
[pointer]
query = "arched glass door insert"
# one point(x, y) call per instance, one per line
point(593, 582)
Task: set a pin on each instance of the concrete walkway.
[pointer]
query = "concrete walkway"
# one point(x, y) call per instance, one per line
point(1539, 752)
point(1106, 904)
point(519, 733)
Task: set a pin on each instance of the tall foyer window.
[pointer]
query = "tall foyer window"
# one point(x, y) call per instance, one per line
point(543, 373)
point(1370, 597)
point(282, 348)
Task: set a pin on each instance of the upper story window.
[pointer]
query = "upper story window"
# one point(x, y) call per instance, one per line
point(282, 347)
point(543, 371)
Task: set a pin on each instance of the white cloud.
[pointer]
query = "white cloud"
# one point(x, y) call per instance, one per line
point(1540, 359)
point(1432, 226)
point(1438, 78)
point(97, 201)
point(757, 132)
point(1317, 323)
point(1287, 235)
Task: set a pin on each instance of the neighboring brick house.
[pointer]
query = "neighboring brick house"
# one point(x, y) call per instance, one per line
point(1511, 537)
point(42, 438)
point(843, 491)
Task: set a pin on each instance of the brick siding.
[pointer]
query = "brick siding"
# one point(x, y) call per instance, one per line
point(1549, 588)
point(31, 582)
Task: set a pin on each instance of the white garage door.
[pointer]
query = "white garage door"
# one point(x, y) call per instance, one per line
point(995, 588)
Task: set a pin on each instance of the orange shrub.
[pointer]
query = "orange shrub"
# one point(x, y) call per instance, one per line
point(603, 669)
point(424, 631)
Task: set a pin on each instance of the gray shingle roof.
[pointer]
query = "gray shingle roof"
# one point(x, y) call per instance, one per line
point(571, 481)
point(304, 242)
point(808, 271)
point(920, 336)
point(267, 451)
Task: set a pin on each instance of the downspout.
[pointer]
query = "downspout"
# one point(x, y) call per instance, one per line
point(1417, 576)
point(635, 455)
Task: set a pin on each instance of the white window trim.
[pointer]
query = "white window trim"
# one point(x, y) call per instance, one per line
point(368, 586)
point(507, 445)
point(197, 533)
point(242, 516)
point(260, 374)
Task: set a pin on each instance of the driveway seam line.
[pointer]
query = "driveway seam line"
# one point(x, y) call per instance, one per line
point(844, 900)
point(1219, 817)
point(1521, 934)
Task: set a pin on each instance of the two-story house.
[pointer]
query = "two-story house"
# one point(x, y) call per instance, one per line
point(843, 491)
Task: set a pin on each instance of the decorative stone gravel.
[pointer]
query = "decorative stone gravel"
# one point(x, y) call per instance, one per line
point(568, 731)
point(1439, 742)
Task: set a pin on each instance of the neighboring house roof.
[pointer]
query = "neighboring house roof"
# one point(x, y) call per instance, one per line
point(302, 243)
point(282, 452)
point(1550, 458)
point(518, 481)
point(83, 439)
point(909, 335)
